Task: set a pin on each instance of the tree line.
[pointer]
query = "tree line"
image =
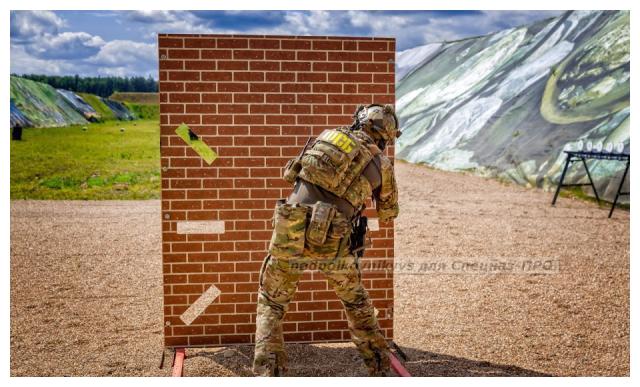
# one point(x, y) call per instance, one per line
point(102, 86)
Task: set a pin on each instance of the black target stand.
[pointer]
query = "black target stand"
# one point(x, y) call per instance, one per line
point(576, 156)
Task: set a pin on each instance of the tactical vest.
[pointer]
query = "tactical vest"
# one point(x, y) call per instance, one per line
point(336, 162)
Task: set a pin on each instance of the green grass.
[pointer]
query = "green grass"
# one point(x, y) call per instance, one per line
point(99, 163)
point(579, 193)
point(138, 98)
point(144, 111)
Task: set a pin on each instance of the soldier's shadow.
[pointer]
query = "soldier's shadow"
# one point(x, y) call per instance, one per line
point(322, 360)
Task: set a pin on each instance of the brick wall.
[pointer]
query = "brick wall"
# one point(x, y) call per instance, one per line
point(255, 100)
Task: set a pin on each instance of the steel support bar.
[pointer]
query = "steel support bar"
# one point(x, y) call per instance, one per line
point(564, 172)
point(398, 367)
point(584, 162)
point(619, 193)
point(178, 362)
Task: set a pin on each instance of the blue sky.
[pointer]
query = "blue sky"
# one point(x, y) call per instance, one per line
point(124, 42)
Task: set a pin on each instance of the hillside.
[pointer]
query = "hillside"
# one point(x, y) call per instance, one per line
point(507, 104)
point(36, 104)
point(138, 98)
point(42, 105)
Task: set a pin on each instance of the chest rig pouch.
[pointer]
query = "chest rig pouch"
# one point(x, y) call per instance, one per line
point(321, 216)
point(335, 162)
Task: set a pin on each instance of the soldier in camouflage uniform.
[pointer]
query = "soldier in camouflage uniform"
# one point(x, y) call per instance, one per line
point(332, 180)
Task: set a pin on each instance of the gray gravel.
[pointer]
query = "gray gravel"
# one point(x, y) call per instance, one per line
point(86, 288)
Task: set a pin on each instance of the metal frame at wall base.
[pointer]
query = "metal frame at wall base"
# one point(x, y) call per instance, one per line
point(396, 365)
point(177, 364)
point(583, 156)
point(180, 354)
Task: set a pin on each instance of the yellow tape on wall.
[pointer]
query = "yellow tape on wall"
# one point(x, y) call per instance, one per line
point(192, 139)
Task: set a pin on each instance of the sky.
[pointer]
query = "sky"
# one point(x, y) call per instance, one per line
point(123, 43)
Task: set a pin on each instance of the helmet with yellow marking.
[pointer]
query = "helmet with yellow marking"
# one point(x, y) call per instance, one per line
point(381, 119)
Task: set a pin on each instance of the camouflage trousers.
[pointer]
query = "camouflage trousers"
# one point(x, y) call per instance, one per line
point(288, 257)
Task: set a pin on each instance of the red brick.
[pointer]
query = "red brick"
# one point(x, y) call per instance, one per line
point(311, 77)
point(264, 43)
point(382, 78)
point(349, 45)
point(326, 336)
point(267, 66)
point(233, 65)
point(355, 99)
point(248, 54)
point(350, 56)
point(165, 42)
point(201, 87)
point(327, 66)
point(372, 46)
point(249, 119)
point(171, 65)
point(296, 87)
point(232, 43)
point(216, 76)
point(327, 45)
point(296, 44)
point(384, 56)
point(296, 109)
point(311, 55)
point(199, 43)
point(312, 120)
point(184, 76)
point(233, 87)
point(184, 54)
point(311, 98)
point(327, 88)
point(351, 78)
point(200, 108)
point(200, 65)
point(280, 55)
point(215, 119)
point(233, 108)
point(190, 119)
point(280, 77)
point(216, 54)
point(280, 98)
point(296, 66)
point(186, 247)
point(172, 86)
point(373, 67)
point(264, 87)
point(217, 97)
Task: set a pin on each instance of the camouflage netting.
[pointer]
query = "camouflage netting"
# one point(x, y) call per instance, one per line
point(508, 104)
point(80, 105)
point(42, 105)
point(17, 118)
point(35, 104)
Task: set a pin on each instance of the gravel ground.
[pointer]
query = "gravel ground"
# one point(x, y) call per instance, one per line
point(86, 288)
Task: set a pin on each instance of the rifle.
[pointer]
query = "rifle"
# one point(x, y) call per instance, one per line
point(293, 167)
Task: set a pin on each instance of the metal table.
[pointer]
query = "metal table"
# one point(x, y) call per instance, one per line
point(575, 156)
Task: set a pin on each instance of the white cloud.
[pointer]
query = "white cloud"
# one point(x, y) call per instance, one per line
point(126, 57)
point(31, 25)
point(67, 45)
point(169, 22)
point(312, 22)
point(24, 63)
point(38, 46)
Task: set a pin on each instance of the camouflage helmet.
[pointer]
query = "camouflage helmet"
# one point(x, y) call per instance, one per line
point(380, 118)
